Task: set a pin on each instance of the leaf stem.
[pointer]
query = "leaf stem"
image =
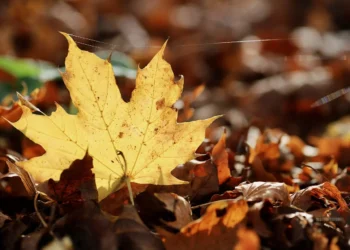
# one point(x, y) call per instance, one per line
point(128, 184)
point(43, 222)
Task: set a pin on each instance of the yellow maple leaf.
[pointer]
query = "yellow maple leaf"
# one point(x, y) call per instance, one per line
point(144, 129)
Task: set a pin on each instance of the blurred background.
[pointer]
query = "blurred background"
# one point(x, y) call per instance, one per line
point(262, 62)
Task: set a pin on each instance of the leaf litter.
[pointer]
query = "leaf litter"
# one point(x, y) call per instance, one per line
point(275, 191)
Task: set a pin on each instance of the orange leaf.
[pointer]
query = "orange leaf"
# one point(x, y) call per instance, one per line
point(220, 158)
point(218, 228)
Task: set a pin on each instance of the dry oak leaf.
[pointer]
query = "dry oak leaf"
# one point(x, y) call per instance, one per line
point(144, 129)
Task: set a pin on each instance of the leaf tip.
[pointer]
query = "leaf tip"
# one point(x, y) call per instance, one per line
point(69, 39)
point(162, 49)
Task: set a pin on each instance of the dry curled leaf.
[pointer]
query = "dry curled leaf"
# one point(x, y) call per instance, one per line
point(258, 191)
point(26, 185)
point(328, 189)
point(325, 195)
point(179, 206)
point(139, 140)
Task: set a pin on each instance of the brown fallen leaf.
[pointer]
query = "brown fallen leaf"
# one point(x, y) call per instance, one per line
point(187, 111)
point(336, 147)
point(290, 229)
point(24, 187)
point(328, 189)
point(220, 158)
point(113, 204)
point(10, 234)
point(12, 113)
point(202, 176)
point(265, 151)
point(179, 206)
point(259, 173)
point(216, 229)
point(88, 228)
point(303, 200)
point(259, 191)
point(133, 234)
point(325, 195)
point(260, 215)
point(154, 212)
point(330, 169)
point(76, 185)
point(46, 96)
point(342, 181)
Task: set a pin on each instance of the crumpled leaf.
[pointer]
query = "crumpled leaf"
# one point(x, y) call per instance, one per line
point(179, 206)
point(328, 189)
point(216, 229)
point(144, 130)
point(326, 192)
point(164, 209)
point(258, 191)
